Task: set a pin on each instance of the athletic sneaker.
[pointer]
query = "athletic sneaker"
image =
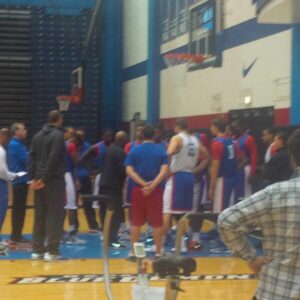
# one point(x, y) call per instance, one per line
point(37, 256)
point(125, 235)
point(183, 249)
point(51, 257)
point(151, 249)
point(20, 241)
point(117, 246)
point(3, 249)
point(131, 257)
point(195, 245)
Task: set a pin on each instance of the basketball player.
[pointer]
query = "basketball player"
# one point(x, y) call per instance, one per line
point(138, 139)
point(147, 166)
point(97, 152)
point(5, 175)
point(223, 168)
point(199, 195)
point(184, 150)
point(83, 173)
point(248, 146)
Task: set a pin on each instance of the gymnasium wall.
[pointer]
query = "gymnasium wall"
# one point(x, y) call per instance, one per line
point(255, 63)
point(252, 60)
point(135, 37)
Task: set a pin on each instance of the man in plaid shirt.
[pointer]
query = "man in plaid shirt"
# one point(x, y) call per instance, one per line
point(276, 210)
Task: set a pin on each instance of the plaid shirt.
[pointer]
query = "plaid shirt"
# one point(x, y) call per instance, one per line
point(276, 210)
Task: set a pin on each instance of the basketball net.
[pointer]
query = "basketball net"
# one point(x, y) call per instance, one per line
point(64, 101)
point(178, 64)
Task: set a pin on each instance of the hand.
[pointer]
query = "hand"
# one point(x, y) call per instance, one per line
point(38, 185)
point(257, 264)
point(147, 190)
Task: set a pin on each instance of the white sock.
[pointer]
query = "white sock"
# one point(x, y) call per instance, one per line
point(183, 246)
point(196, 237)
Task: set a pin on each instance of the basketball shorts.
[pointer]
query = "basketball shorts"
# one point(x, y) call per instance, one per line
point(178, 194)
point(243, 187)
point(146, 209)
point(71, 196)
point(224, 195)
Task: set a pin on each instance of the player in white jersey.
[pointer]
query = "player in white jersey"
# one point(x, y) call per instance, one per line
point(184, 150)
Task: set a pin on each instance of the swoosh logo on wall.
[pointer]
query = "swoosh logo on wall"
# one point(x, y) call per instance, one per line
point(246, 70)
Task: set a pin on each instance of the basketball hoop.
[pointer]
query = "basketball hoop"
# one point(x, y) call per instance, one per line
point(64, 101)
point(175, 59)
point(179, 63)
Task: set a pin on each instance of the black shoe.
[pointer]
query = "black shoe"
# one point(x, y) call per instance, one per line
point(117, 245)
point(22, 240)
point(131, 258)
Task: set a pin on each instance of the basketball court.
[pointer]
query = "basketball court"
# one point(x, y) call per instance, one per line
point(110, 64)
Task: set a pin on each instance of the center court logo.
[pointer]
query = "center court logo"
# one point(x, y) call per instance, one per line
point(121, 278)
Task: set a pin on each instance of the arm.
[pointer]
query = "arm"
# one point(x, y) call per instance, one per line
point(31, 161)
point(91, 152)
point(163, 173)
point(135, 176)
point(174, 145)
point(252, 149)
point(205, 157)
point(56, 152)
point(237, 221)
point(217, 152)
point(4, 173)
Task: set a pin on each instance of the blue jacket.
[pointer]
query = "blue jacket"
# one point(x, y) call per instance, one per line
point(17, 155)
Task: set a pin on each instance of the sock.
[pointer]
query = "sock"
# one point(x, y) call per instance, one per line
point(183, 246)
point(196, 237)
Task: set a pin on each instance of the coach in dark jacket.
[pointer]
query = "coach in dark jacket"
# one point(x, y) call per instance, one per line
point(46, 169)
point(112, 183)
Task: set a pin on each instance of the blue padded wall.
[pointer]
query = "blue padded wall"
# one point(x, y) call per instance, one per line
point(56, 46)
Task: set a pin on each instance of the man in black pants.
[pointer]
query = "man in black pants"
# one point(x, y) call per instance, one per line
point(17, 157)
point(46, 170)
point(112, 183)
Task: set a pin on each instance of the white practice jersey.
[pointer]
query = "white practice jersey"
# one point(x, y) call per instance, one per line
point(187, 158)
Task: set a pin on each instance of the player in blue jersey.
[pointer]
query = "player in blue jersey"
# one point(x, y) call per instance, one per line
point(97, 153)
point(248, 146)
point(83, 172)
point(223, 167)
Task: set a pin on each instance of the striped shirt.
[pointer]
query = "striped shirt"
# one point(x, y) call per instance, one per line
point(276, 211)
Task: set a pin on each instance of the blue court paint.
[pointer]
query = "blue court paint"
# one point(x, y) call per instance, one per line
point(153, 70)
point(93, 249)
point(295, 96)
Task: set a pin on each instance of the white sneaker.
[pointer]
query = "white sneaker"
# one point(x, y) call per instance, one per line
point(151, 249)
point(51, 257)
point(37, 256)
point(3, 249)
point(183, 249)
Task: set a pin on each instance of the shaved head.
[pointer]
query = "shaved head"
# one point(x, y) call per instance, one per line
point(121, 138)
